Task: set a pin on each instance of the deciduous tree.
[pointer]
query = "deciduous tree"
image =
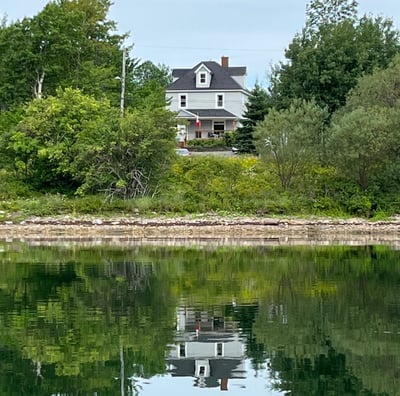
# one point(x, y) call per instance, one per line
point(67, 44)
point(290, 139)
point(364, 142)
point(131, 157)
point(44, 144)
point(325, 62)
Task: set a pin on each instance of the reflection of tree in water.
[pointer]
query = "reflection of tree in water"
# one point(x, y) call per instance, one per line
point(79, 325)
point(324, 374)
point(245, 315)
point(136, 274)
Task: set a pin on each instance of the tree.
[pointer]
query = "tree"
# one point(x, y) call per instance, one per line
point(380, 88)
point(44, 144)
point(68, 44)
point(131, 157)
point(256, 109)
point(364, 142)
point(360, 143)
point(328, 12)
point(291, 139)
point(74, 143)
point(148, 85)
point(324, 64)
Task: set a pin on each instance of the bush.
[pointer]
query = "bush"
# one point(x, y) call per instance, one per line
point(359, 205)
point(11, 188)
point(212, 142)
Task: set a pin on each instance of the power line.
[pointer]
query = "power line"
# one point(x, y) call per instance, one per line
point(212, 49)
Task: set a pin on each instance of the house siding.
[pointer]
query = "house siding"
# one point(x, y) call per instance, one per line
point(234, 102)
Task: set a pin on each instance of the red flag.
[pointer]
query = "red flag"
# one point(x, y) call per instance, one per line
point(198, 122)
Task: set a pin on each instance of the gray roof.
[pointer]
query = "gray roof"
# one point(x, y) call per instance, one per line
point(204, 113)
point(219, 368)
point(221, 77)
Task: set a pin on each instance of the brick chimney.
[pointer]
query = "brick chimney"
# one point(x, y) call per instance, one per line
point(225, 61)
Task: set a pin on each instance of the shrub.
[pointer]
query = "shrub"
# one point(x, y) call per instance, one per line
point(11, 188)
point(359, 205)
point(214, 142)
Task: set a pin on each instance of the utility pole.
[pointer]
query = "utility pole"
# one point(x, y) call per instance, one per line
point(123, 76)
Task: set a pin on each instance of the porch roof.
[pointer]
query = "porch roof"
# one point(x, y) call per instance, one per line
point(207, 113)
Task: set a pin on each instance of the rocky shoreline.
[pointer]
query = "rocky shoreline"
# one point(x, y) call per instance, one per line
point(205, 229)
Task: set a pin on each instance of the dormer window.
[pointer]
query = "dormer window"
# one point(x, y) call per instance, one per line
point(203, 76)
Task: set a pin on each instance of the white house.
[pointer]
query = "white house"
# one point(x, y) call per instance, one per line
point(211, 97)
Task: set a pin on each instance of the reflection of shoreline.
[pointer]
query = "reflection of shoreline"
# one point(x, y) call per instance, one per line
point(204, 231)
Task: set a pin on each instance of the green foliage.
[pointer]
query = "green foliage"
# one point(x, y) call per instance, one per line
point(291, 139)
point(130, 158)
point(44, 145)
point(256, 109)
point(359, 205)
point(147, 86)
point(230, 138)
point(8, 120)
point(217, 183)
point(364, 142)
point(74, 143)
point(359, 144)
point(214, 142)
point(329, 12)
point(68, 44)
point(326, 64)
point(10, 188)
point(83, 316)
point(377, 89)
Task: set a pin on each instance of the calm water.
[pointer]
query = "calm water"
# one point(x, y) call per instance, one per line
point(199, 321)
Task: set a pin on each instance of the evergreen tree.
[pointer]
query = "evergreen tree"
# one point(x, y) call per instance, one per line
point(256, 109)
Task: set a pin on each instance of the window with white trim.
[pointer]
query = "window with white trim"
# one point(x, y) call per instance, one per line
point(183, 101)
point(220, 100)
point(203, 78)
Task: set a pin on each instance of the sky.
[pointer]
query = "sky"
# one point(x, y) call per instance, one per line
point(182, 33)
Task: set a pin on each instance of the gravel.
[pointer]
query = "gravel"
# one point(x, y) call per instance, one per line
point(202, 230)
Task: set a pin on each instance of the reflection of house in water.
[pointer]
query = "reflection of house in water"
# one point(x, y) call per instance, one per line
point(208, 348)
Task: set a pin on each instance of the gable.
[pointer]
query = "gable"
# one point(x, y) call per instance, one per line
point(203, 76)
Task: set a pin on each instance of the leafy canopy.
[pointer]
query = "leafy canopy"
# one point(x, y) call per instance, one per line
point(72, 142)
point(325, 62)
point(290, 139)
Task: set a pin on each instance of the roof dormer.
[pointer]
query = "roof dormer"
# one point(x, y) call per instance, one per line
point(203, 76)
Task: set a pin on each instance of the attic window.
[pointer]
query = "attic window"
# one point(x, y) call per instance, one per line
point(203, 78)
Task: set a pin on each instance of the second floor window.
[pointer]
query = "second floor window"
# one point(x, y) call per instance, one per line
point(182, 101)
point(220, 100)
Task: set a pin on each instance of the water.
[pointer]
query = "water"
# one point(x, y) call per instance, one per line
point(197, 320)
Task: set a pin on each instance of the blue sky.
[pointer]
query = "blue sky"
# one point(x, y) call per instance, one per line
point(181, 33)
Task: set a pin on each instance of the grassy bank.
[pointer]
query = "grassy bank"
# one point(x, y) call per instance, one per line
point(225, 186)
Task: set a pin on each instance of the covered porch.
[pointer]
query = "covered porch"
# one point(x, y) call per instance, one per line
point(206, 124)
